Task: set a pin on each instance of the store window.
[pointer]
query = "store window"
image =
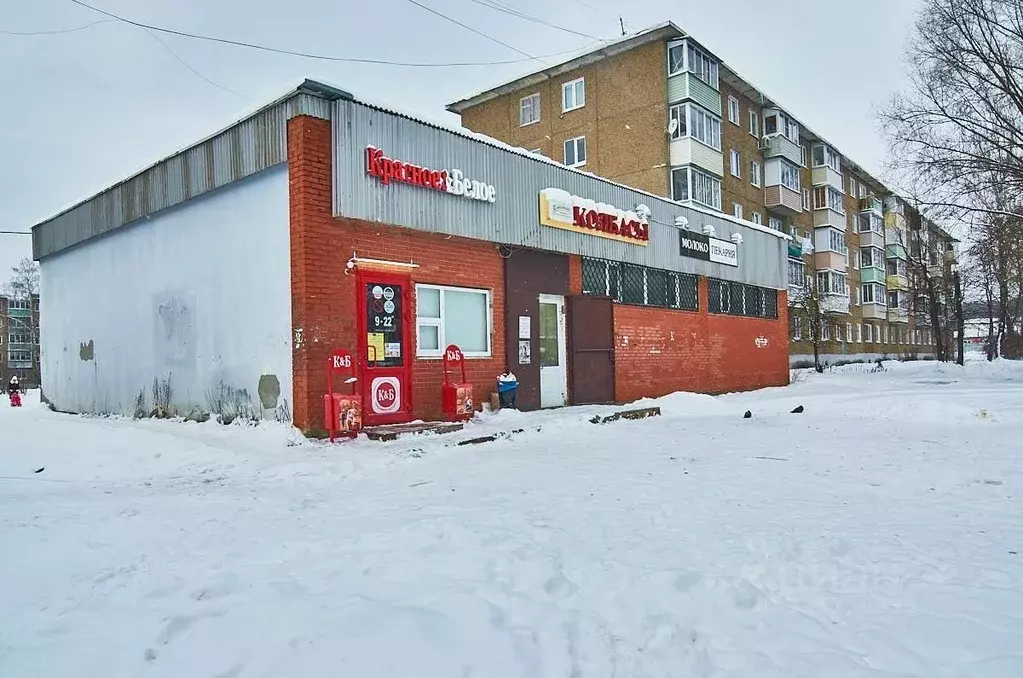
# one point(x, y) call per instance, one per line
point(640, 285)
point(452, 315)
point(734, 298)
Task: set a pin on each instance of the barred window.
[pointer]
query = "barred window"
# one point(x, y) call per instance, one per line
point(639, 285)
point(735, 298)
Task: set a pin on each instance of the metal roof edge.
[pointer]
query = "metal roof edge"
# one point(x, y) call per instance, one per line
point(306, 87)
point(609, 49)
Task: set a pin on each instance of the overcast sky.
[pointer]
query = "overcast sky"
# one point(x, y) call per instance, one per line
point(85, 109)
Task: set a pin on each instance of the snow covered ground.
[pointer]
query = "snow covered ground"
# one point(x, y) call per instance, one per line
point(879, 533)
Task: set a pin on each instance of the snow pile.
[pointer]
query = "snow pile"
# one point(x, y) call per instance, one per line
point(846, 541)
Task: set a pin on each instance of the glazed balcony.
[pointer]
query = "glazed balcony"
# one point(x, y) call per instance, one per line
point(835, 303)
point(872, 205)
point(827, 176)
point(874, 311)
point(898, 315)
point(783, 200)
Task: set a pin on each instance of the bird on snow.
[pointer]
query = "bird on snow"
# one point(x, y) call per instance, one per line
point(748, 415)
point(798, 410)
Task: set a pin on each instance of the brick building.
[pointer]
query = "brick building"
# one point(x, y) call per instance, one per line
point(321, 223)
point(660, 111)
point(19, 340)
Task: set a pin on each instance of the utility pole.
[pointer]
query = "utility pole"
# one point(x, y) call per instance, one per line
point(621, 22)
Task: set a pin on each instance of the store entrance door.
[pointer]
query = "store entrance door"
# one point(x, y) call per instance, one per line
point(384, 343)
point(553, 352)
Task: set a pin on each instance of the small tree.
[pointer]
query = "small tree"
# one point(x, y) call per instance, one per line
point(24, 286)
point(809, 310)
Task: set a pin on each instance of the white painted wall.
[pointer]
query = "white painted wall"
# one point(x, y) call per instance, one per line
point(200, 292)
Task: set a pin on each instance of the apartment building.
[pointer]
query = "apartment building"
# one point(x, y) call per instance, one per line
point(660, 111)
point(19, 340)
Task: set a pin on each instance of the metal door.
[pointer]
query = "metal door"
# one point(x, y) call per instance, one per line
point(591, 334)
point(384, 348)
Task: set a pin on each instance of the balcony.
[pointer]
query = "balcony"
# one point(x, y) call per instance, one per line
point(898, 315)
point(897, 282)
point(874, 311)
point(783, 200)
point(779, 145)
point(871, 239)
point(796, 294)
point(835, 303)
point(685, 86)
point(688, 151)
point(872, 205)
point(826, 176)
point(829, 260)
point(896, 252)
point(872, 274)
point(795, 249)
point(829, 217)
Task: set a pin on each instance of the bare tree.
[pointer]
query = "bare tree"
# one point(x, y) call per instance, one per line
point(956, 135)
point(808, 309)
point(23, 286)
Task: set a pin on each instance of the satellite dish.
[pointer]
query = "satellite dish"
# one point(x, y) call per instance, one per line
point(673, 126)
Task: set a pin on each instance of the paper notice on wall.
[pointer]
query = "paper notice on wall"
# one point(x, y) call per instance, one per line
point(392, 350)
point(375, 347)
point(524, 327)
point(524, 357)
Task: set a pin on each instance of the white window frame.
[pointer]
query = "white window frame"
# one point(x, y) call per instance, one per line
point(737, 210)
point(804, 154)
point(859, 333)
point(757, 218)
point(564, 151)
point(797, 329)
point(573, 85)
point(707, 180)
point(848, 332)
point(776, 223)
point(536, 107)
point(825, 331)
point(442, 343)
point(754, 123)
point(733, 107)
point(697, 123)
point(756, 174)
point(806, 199)
point(735, 163)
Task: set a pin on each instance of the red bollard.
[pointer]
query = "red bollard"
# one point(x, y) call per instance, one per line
point(342, 413)
point(456, 398)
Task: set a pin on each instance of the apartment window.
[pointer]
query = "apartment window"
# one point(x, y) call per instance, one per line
point(827, 197)
point(803, 154)
point(775, 223)
point(696, 122)
point(17, 304)
point(737, 210)
point(880, 334)
point(868, 332)
point(777, 122)
point(573, 95)
point(893, 300)
point(825, 331)
point(789, 175)
point(702, 66)
point(854, 259)
point(640, 285)
point(529, 109)
point(870, 222)
point(19, 358)
point(689, 183)
point(832, 282)
point(825, 156)
point(806, 198)
point(833, 241)
point(795, 328)
point(862, 191)
point(19, 338)
point(733, 110)
point(452, 315)
point(757, 218)
point(859, 333)
point(754, 123)
point(896, 267)
point(856, 296)
point(852, 187)
point(755, 174)
point(736, 162)
point(797, 273)
point(848, 332)
point(872, 293)
point(871, 257)
point(575, 152)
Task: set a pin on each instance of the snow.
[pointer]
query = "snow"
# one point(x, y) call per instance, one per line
point(879, 533)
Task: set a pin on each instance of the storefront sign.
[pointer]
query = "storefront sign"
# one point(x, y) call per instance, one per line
point(454, 181)
point(561, 209)
point(714, 250)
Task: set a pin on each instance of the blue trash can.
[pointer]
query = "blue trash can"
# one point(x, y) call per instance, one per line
point(507, 385)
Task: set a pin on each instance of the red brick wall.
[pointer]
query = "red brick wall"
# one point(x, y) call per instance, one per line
point(324, 298)
point(660, 351)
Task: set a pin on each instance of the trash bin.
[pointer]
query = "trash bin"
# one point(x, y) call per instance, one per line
point(507, 385)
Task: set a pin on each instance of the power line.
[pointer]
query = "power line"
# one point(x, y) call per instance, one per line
point(307, 55)
point(470, 28)
point(15, 232)
point(184, 63)
point(62, 30)
point(522, 15)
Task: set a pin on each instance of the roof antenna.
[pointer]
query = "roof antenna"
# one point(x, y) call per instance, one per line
point(621, 22)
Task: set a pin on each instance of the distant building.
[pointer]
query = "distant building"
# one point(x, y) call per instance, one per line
point(19, 340)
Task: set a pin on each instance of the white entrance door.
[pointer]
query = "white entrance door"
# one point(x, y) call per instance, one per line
point(553, 352)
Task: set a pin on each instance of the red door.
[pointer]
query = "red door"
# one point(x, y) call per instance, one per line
point(384, 348)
